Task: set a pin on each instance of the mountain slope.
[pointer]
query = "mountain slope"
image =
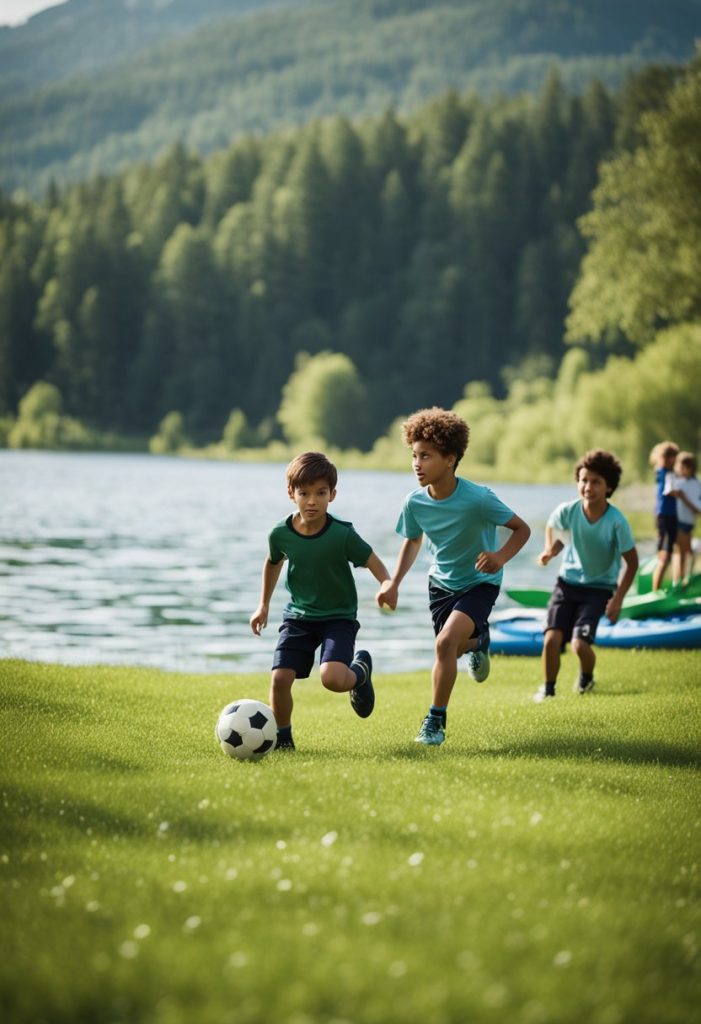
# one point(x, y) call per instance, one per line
point(230, 76)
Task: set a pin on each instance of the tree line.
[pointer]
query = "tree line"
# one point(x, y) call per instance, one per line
point(433, 252)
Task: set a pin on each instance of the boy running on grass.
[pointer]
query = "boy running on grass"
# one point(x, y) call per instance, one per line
point(323, 601)
point(588, 585)
point(459, 519)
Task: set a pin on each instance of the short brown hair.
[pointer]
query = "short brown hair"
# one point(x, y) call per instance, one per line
point(662, 451)
point(308, 467)
point(603, 463)
point(685, 459)
point(445, 429)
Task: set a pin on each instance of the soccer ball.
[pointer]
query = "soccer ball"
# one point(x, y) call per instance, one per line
point(247, 730)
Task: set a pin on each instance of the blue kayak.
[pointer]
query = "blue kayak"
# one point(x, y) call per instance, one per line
point(519, 633)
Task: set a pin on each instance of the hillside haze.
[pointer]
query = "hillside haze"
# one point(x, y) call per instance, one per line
point(92, 86)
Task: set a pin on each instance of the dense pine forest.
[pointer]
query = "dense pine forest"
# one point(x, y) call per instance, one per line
point(532, 260)
point(93, 85)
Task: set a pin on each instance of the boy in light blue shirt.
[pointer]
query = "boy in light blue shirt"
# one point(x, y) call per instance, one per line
point(460, 520)
point(588, 585)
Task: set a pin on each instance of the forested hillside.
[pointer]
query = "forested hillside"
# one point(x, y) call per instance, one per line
point(432, 251)
point(90, 87)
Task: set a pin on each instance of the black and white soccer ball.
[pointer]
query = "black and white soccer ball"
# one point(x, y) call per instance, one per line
point(247, 730)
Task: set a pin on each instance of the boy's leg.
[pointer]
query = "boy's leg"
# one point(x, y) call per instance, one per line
point(587, 658)
point(281, 695)
point(552, 653)
point(454, 640)
point(343, 672)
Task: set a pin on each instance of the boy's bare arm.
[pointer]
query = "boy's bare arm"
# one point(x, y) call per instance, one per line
point(493, 561)
point(388, 593)
point(613, 607)
point(271, 574)
point(377, 568)
point(552, 548)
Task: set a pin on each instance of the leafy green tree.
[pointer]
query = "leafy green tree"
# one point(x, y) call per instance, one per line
point(171, 436)
point(643, 266)
point(326, 400)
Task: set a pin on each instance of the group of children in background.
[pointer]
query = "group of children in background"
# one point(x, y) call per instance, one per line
point(459, 520)
point(677, 503)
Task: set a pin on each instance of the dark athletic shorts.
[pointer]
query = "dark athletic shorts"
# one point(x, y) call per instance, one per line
point(576, 610)
point(476, 602)
point(666, 532)
point(299, 639)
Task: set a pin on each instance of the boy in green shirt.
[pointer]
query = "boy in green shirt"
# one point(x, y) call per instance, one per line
point(323, 601)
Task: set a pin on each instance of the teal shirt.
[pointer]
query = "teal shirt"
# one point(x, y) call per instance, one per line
point(457, 528)
point(592, 555)
point(319, 577)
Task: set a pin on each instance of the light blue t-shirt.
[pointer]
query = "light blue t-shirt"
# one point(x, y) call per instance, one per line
point(592, 555)
point(457, 528)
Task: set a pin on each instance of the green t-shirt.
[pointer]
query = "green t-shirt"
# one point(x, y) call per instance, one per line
point(319, 576)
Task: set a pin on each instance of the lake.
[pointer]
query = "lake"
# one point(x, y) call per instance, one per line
point(146, 560)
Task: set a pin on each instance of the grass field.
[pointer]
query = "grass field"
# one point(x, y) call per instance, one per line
point(541, 866)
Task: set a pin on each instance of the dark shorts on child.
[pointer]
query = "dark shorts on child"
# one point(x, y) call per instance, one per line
point(476, 602)
point(299, 639)
point(666, 532)
point(576, 610)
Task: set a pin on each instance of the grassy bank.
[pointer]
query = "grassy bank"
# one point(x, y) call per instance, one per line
point(542, 866)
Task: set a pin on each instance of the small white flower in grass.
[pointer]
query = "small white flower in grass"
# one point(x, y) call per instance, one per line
point(310, 928)
point(179, 886)
point(192, 923)
point(231, 874)
point(536, 818)
point(142, 931)
point(238, 960)
point(284, 885)
point(415, 859)
point(164, 826)
point(92, 907)
point(329, 839)
point(563, 958)
point(203, 804)
point(68, 881)
point(281, 844)
point(397, 969)
point(129, 949)
point(371, 918)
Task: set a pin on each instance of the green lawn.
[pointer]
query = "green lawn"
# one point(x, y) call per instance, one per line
point(541, 866)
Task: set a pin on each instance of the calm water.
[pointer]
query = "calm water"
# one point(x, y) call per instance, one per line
point(134, 559)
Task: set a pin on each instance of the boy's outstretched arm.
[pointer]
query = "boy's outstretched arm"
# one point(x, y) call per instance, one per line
point(613, 607)
point(388, 594)
point(377, 568)
point(552, 548)
point(271, 574)
point(493, 561)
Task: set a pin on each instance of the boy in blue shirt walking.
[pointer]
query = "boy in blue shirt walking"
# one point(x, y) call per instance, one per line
point(460, 520)
point(588, 585)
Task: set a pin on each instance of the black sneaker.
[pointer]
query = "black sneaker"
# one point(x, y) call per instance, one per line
point(362, 696)
point(583, 686)
point(285, 743)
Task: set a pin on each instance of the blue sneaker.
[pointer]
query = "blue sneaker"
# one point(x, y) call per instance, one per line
point(362, 696)
point(478, 664)
point(432, 732)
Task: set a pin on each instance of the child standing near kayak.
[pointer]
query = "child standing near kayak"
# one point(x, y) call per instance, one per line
point(589, 584)
point(687, 491)
point(662, 459)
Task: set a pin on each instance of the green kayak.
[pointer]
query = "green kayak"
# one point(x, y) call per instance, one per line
point(673, 601)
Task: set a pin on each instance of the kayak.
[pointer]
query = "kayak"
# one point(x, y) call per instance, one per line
point(678, 601)
point(522, 633)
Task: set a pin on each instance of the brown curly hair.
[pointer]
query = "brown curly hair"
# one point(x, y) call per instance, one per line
point(308, 467)
point(445, 429)
point(603, 463)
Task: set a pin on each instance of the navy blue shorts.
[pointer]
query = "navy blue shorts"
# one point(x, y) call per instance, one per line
point(299, 639)
point(666, 532)
point(476, 602)
point(575, 610)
